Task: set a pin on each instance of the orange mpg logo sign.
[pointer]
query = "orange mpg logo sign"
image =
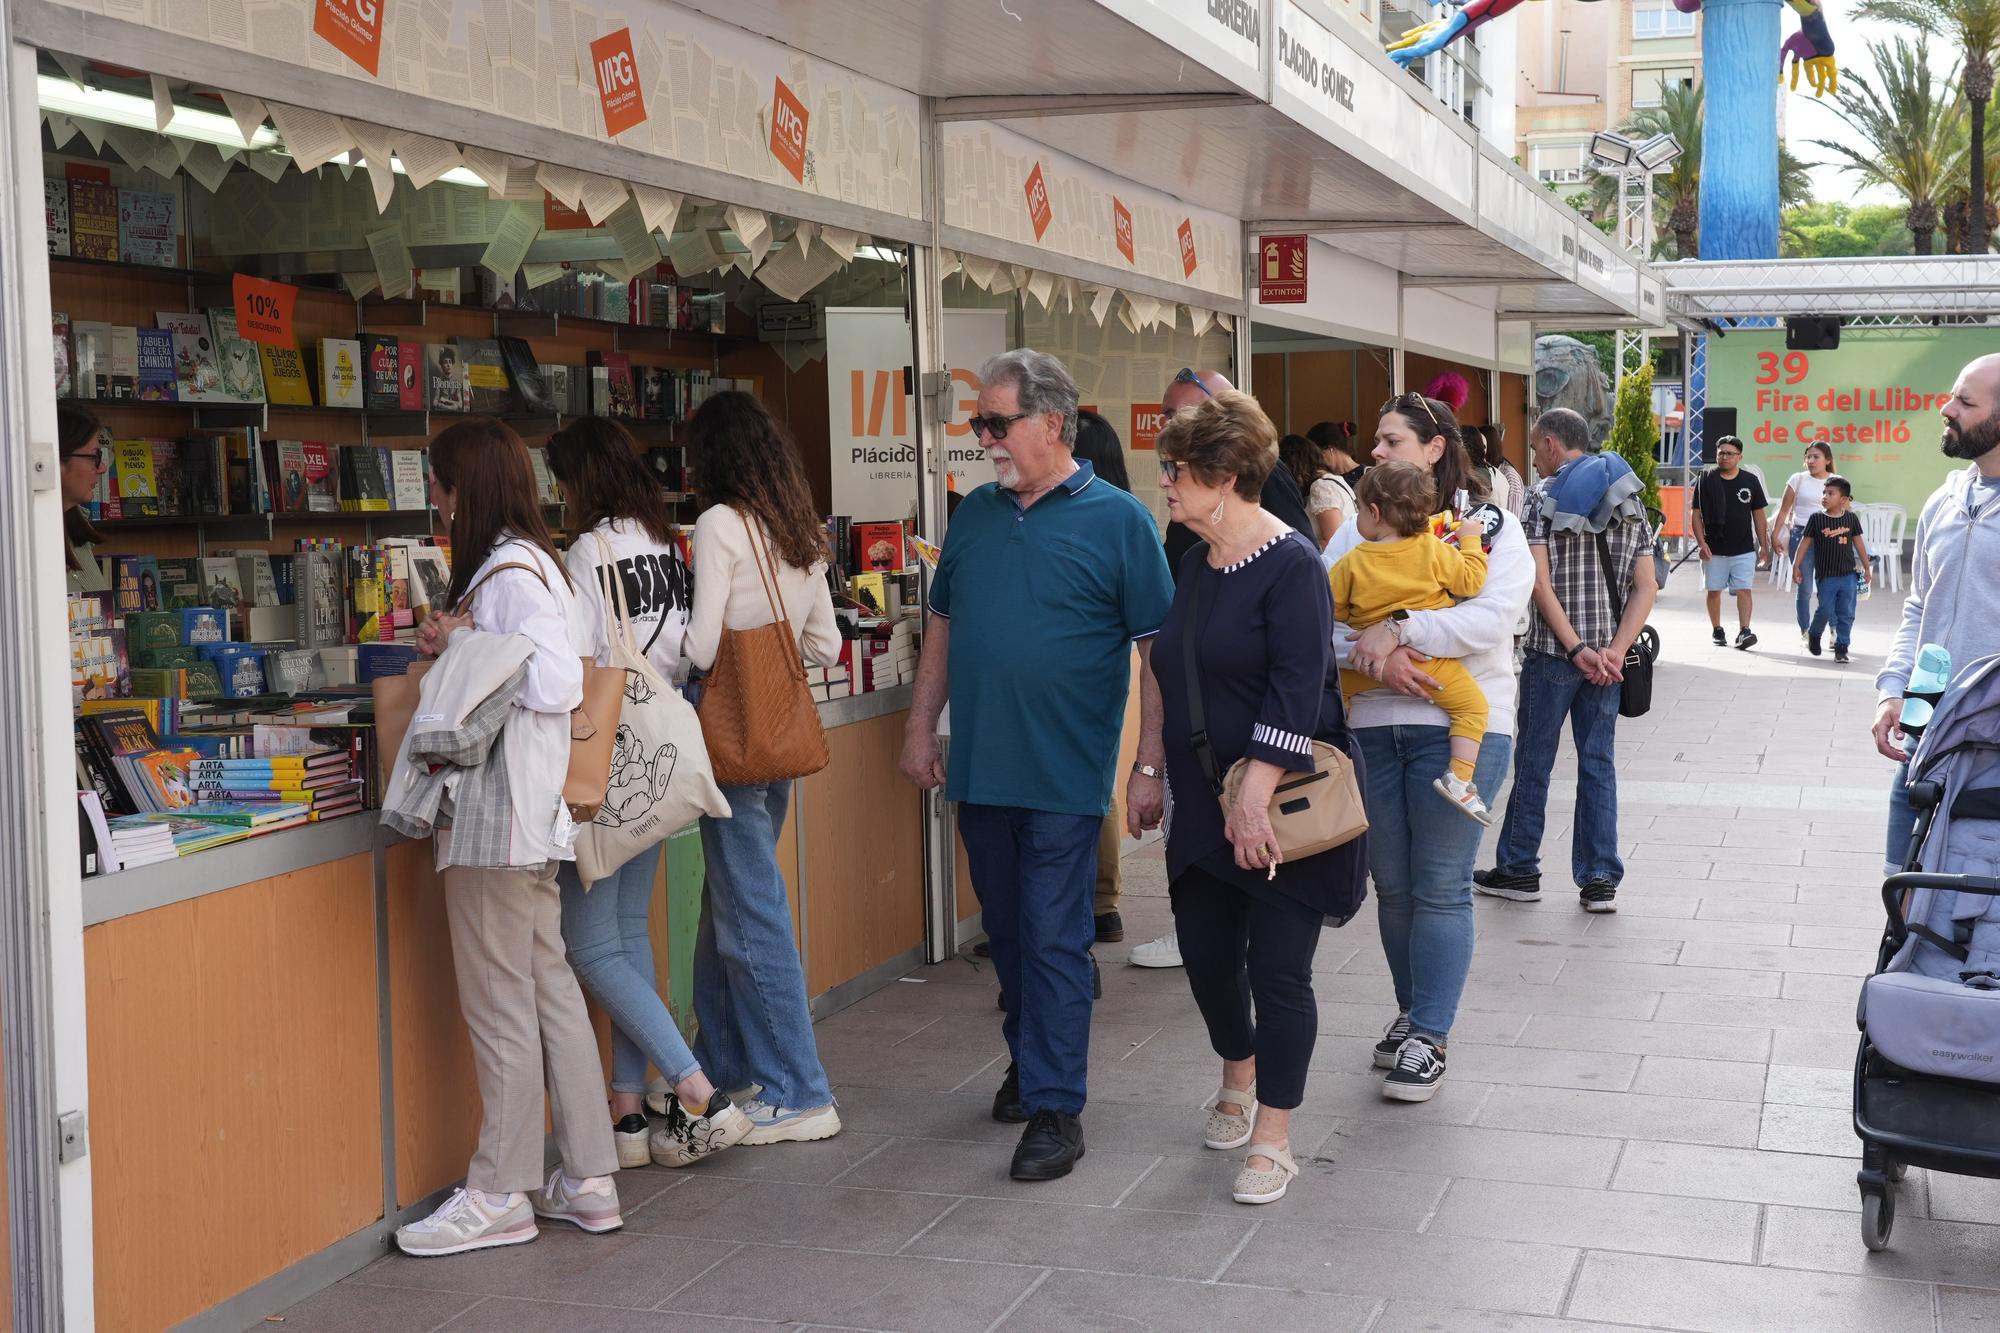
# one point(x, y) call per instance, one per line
point(618, 82)
point(1039, 211)
point(788, 132)
point(353, 28)
point(1121, 226)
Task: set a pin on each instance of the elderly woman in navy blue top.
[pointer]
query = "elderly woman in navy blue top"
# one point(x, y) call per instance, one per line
point(1255, 599)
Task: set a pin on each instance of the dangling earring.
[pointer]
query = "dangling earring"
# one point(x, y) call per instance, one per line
point(1216, 517)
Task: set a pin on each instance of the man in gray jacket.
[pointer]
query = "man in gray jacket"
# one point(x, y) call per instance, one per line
point(1954, 599)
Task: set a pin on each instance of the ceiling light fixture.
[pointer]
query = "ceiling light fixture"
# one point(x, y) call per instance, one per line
point(59, 96)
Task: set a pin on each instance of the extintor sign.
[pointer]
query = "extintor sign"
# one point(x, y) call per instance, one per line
point(1281, 270)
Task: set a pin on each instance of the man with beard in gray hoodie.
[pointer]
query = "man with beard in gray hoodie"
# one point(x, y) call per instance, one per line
point(1954, 599)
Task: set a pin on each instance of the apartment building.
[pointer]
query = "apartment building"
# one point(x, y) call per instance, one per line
point(1589, 65)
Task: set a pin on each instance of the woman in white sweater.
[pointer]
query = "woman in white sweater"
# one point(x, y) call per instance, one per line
point(749, 986)
point(1419, 852)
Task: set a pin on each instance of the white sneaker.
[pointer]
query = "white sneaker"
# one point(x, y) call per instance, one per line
point(686, 1139)
point(1463, 797)
point(465, 1222)
point(659, 1092)
point(788, 1124)
point(1162, 952)
point(591, 1203)
point(629, 1135)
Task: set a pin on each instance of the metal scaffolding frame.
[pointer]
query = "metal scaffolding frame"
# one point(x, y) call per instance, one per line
point(1704, 293)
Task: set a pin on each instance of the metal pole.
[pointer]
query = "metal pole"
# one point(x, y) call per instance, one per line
point(926, 306)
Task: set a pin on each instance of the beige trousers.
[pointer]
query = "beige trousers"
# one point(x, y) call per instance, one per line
point(524, 1008)
point(1107, 864)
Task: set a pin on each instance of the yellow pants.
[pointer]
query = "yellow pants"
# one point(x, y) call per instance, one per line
point(1461, 698)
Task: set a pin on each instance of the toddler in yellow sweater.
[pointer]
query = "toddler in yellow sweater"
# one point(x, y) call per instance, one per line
point(1401, 566)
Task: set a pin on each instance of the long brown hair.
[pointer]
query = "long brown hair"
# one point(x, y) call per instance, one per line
point(597, 462)
point(1303, 459)
point(77, 428)
point(486, 463)
point(1428, 418)
point(742, 458)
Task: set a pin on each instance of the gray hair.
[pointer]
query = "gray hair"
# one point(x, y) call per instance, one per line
point(1568, 429)
point(1041, 384)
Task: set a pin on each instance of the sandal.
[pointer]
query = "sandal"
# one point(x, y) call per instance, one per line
point(1225, 1130)
point(1265, 1186)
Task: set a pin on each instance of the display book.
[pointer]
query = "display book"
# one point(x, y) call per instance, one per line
point(874, 581)
point(87, 217)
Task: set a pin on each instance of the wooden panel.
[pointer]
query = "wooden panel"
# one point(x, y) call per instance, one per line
point(1513, 416)
point(1322, 389)
point(864, 835)
point(1268, 379)
point(437, 1096)
point(236, 1120)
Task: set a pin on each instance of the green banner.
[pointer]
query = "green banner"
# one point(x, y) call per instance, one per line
point(1875, 399)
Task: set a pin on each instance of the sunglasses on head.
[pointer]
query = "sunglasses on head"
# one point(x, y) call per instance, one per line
point(1405, 402)
point(1187, 375)
point(994, 427)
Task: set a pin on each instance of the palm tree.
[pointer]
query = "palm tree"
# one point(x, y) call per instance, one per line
point(1914, 129)
point(1975, 26)
point(1677, 191)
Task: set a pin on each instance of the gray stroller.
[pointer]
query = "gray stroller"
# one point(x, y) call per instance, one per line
point(1927, 1080)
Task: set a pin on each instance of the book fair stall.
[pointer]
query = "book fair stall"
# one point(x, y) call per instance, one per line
point(272, 250)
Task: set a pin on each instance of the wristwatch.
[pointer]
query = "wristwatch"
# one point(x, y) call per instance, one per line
point(1148, 771)
point(1397, 622)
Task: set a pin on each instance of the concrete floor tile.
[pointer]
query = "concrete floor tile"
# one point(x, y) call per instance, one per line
point(799, 1164)
point(1822, 987)
point(1139, 1127)
point(1788, 913)
point(1412, 1317)
point(1819, 1130)
point(1816, 1050)
point(1700, 1172)
point(1323, 1192)
point(1620, 1115)
point(1488, 1028)
point(1623, 926)
point(625, 1268)
point(1539, 1067)
point(1358, 1096)
point(935, 1166)
point(1100, 1303)
point(886, 1113)
point(1715, 1080)
point(1472, 1151)
point(1103, 1240)
point(1920, 1250)
point(1843, 962)
point(1837, 937)
point(1477, 1274)
point(1801, 1085)
point(896, 1295)
point(1733, 1298)
point(1961, 1198)
point(1535, 969)
point(771, 1213)
point(1671, 979)
point(1599, 1220)
point(866, 1064)
point(1968, 1310)
point(555, 1317)
point(1695, 1041)
point(354, 1308)
point(1773, 1014)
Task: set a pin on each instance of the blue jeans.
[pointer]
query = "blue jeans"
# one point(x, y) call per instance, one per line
point(1804, 561)
point(1421, 855)
point(1838, 595)
point(1035, 874)
point(1902, 819)
point(604, 931)
point(749, 987)
point(1552, 690)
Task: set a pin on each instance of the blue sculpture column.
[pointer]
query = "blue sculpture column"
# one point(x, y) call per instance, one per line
point(1739, 152)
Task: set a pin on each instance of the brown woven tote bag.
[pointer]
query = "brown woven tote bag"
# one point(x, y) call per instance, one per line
point(757, 714)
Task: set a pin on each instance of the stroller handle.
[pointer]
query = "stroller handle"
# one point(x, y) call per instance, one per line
point(1896, 885)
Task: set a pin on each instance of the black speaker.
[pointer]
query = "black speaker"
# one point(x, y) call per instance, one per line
point(1812, 333)
point(1716, 422)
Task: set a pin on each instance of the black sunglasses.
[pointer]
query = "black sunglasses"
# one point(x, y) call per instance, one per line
point(1403, 402)
point(995, 427)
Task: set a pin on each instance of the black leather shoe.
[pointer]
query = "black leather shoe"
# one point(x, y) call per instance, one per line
point(1050, 1148)
point(1110, 928)
point(1007, 1108)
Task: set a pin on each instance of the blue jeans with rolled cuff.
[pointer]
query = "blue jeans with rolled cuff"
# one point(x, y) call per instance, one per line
point(611, 952)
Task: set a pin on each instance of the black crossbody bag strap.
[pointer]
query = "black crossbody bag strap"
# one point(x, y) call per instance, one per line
point(1610, 583)
point(1191, 629)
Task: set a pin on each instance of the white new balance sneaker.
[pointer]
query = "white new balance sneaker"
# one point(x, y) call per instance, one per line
point(466, 1221)
point(591, 1203)
point(1162, 952)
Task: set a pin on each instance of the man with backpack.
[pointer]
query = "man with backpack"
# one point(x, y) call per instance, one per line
point(1594, 588)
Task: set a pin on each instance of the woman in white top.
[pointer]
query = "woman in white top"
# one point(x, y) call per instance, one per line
point(83, 447)
point(749, 987)
point(1803, 493)
point(515, 988)
point(627, 533)
point(1329, 499)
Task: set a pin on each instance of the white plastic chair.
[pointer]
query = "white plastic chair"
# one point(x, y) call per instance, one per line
point(1894, 521)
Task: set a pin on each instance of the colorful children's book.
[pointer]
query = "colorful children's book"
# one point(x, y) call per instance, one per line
point(138, 491)
point(158, 380)
point(197, 360)
point(242, 369)
point(93, 219)
point(148, 228)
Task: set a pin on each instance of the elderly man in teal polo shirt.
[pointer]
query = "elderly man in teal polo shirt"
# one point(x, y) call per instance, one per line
point(1048, 578)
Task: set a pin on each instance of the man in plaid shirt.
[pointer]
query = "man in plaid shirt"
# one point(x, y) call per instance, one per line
point(1586, 517)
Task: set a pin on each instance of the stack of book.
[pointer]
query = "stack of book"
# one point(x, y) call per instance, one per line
point(253, 817)
point(318, 784)
point(187, 836)
point(126, 765)
point(137, 841)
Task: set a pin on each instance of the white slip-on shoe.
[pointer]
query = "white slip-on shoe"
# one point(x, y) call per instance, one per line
point(467, 1222)
point(1162, 952)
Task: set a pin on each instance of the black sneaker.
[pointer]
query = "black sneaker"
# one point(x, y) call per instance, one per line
point(1007, 1108)
point(1498, 883)
point(630, 1134)
point(983, 949)
point(1110, 928)
point(1392, 1041)
point(1050, 1147)
point(1419, 1069)
point(1839, 652)
point(1813, 644)
point(1598, 896)
point(1721, 639)
point(1745, 639)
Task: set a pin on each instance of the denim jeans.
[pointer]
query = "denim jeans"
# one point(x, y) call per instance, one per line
point(1838, 594)
point(1552, 690)
point(1902, 819)
point(1035, 874)
point(1420, 854)
point(749, 987)
point(1804, 561)
point(604, 932)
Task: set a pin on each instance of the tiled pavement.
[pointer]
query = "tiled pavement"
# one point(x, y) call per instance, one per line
point(1645, 1124)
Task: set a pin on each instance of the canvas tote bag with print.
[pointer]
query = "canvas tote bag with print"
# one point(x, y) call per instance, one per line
point(660, 780)
point(757, 712)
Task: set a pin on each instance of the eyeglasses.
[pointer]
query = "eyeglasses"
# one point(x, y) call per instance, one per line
point(1404, 402)
point(1170, 470)
point(96, 456)
point(996, 427)
point(1187, 375)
